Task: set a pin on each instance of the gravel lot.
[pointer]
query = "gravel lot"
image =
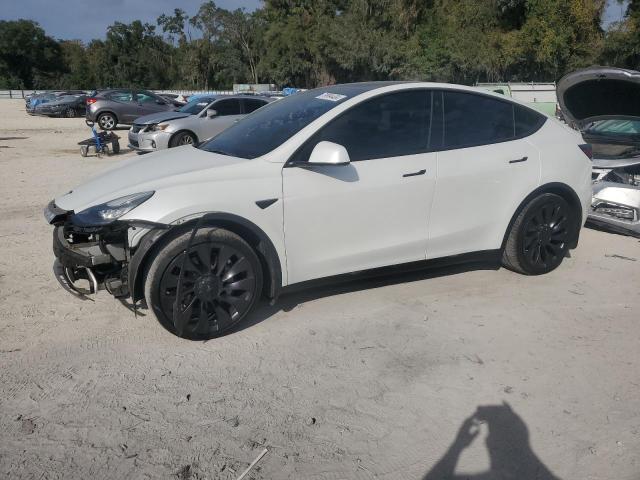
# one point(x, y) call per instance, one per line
point(367, 380)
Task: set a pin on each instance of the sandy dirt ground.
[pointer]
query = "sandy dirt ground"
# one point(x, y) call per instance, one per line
point(476, 371)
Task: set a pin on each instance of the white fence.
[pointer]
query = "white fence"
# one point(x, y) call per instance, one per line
point(18, 93)
point(23, 93)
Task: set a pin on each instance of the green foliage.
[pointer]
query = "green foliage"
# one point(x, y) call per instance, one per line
point(622, 42)
point(313, 42)
point(28, 58)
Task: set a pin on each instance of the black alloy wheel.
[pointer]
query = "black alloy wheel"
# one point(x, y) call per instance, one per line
point(210, 290)
point(541, 235)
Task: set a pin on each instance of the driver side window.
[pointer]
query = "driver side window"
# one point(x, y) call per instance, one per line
point(391, 125)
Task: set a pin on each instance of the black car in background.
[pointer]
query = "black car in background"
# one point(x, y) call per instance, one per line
point(32, 101)
point(66, 106)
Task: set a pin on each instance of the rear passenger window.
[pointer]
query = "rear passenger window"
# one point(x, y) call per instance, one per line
point(527, 121)
point(250, 105)
point(121, 96)
point(391, 125)
point(229, 106)
point(471, 119)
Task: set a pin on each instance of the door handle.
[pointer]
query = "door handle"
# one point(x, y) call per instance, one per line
point(518, 160)
point(415, 174)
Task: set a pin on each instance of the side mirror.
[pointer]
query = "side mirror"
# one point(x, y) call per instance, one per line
point(212, 113)
point(329, 153)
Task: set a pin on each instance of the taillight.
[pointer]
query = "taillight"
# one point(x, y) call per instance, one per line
point(587, 149)
point(91, 100)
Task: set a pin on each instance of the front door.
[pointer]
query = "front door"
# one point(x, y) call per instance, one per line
point(228, 111)
point(372, 212)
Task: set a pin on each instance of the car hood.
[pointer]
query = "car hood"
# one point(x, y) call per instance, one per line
point(149, 173)
point(160, 117)
point(600, 93)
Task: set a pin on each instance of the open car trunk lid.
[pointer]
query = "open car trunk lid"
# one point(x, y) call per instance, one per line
point(599, 93)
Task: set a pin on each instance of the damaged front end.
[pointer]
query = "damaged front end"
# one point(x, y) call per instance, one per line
point(92, 248)
point(616, 177)
point(616, 199)
point(604, 104)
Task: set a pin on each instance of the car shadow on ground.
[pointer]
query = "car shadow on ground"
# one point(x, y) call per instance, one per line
point(291, 298)
point(508, 447)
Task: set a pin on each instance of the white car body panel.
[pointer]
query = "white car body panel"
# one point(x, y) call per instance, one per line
point(356, 217)
point(477, 191)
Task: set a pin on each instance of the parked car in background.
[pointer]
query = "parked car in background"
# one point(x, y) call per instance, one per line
point(109, 108)
point(336, 180)
point(174, 98)
point(167, 130)
point(541, 96)
point(32, 101)
point(66, 106)
point(604, 104)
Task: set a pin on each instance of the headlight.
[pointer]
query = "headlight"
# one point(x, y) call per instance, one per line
point(108, 212)
point(159, 127)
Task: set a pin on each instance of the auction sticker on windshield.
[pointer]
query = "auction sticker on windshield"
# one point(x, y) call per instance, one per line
point(332, 97)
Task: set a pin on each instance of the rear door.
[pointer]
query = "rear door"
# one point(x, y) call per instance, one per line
point(148, 103)
point(123, 104)
point(486, 168)
point(228, 111)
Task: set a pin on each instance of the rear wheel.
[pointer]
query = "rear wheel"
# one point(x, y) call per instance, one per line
point(84, 150)
point(107, 121)
point(540, 236)
point(182, 138)
point(70, 113)
point(220, 282)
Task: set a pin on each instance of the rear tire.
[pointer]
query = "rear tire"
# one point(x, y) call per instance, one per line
point(84, 150)
point(540, 236)
point(221, 283)
point(70, 113)
point(107, 121)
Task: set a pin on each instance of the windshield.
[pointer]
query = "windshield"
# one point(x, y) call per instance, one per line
point(614, 127)
point(195, 106)
point(270, 126)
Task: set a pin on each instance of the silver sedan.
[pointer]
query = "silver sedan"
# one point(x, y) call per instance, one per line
point(173, 129)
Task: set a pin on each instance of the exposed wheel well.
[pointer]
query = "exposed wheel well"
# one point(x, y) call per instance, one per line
point(252, 234)
point(175, 135)
point(560, 189)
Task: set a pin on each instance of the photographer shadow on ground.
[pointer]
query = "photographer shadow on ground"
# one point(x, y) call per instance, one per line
point(507, 442)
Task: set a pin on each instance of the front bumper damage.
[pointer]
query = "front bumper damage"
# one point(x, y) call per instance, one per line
point(89, 259)
point(615, 204)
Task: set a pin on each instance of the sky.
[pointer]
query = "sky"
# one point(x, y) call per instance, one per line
point(89, 19)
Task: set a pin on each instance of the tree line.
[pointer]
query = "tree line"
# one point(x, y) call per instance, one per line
point(306, 43)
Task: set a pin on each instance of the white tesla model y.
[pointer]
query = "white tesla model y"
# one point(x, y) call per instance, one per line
point(330, 181)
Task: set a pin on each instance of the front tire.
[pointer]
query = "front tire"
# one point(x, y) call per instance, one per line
point(182, 138)
point(221, 283)
point(540, 236)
